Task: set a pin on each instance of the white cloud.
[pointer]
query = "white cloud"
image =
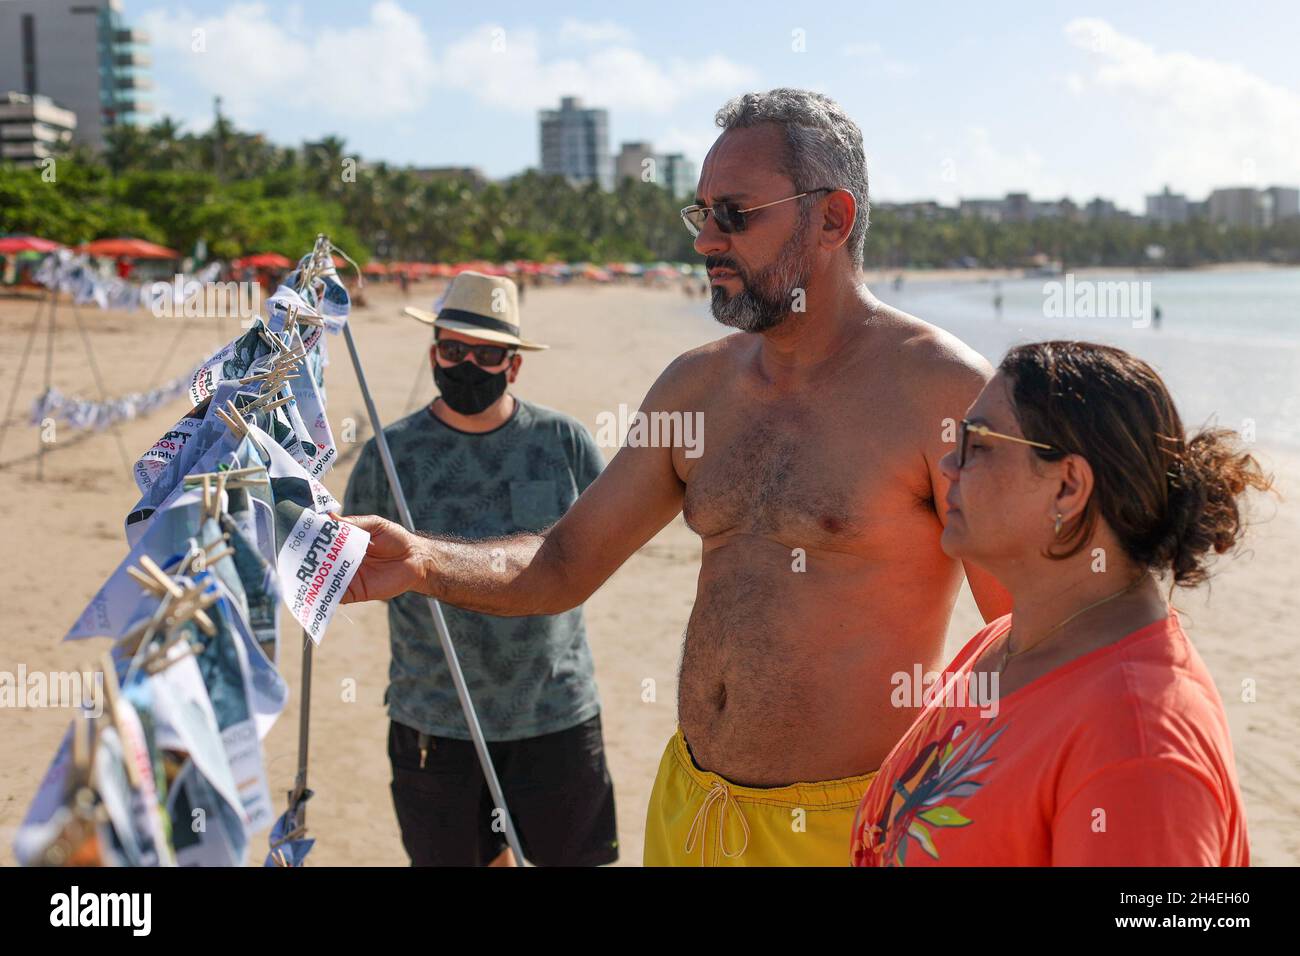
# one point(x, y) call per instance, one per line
point(694, 143)
point(380, 65)
point(1208, 123)
point(985, 164)
point(512, 73)
point(587, 32)
point(877, 58)
point(264, 62)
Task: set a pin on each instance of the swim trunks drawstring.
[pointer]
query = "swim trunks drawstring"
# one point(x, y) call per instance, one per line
point(700, 825)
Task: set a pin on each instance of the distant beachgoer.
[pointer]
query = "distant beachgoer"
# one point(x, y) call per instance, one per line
point(123, 267)
point(1064, 733)
point(1155, 316)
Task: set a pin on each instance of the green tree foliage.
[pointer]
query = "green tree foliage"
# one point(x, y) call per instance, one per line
point(242, 194)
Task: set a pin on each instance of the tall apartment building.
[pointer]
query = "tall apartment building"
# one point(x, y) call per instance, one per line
point(1283, 203)
point(32, 128)
point(677, 175)
point(1237, 206)
point(989, 210)
point(672, 171)
point(79, 54)
point(575, 143)
point(1168, 208)
point(630, 163)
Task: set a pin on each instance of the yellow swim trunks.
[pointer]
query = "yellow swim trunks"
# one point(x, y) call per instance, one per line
point(698, 818)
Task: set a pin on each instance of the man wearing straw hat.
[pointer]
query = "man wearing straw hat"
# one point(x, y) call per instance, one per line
point(482, 463)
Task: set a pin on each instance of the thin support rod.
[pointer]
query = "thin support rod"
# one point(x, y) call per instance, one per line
point(439, 622)
point(304, 727)
point(49, 376)
point(103, 392)
point(22, 369)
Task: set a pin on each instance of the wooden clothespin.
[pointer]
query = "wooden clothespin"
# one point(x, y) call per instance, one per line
point(186, 603)
point(112, 695)
point(296, 314)
point(233, 418)
point(173, 611)
point(159, 658)
point(235, 477)
point(263, 405)
point(191, 604)
point(84, 745)
point(213, 551)
point(279, 368)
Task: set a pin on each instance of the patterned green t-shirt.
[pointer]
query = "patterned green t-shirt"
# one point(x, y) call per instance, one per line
point(527, 676)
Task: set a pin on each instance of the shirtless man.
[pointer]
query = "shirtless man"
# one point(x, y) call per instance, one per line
point(817, 499)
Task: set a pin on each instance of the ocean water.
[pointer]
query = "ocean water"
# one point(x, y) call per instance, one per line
point(1228, 344)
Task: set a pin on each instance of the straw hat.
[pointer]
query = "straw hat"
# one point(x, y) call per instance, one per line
point(486, 307)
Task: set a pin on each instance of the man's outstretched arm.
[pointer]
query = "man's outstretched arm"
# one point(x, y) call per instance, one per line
point(547, 573)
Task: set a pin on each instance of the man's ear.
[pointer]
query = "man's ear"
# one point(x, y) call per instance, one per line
point(512, 372)
point(837, 223)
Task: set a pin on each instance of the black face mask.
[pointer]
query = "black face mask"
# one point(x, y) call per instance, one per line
point(466, 388)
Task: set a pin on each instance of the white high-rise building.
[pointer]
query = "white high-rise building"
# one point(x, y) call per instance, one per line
point(677, 175)
point(631, 163)
point(1283, 203)
point(1167, 208)
point(79, 54)
point(1238, 206)
point(32, 128)
point(575, 143)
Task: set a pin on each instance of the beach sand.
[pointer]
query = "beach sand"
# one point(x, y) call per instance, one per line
point(64, 536)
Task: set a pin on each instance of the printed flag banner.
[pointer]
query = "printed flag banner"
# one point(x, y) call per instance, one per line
point(178, 776)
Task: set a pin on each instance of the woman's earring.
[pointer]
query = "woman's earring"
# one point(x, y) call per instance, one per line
point(1056, 528)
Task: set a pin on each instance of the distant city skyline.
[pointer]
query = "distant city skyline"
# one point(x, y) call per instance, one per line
point(954, 103)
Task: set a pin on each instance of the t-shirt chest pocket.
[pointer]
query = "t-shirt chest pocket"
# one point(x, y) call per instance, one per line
point(534, 504)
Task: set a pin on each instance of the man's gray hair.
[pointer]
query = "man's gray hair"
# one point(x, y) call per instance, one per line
point(823, 146)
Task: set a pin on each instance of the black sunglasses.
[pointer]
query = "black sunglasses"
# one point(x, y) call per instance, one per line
point(485, 355)
point(729, 216)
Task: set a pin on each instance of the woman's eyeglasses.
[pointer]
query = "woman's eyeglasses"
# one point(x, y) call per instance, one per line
point(969, 428)
point(729, 216)
point(485, 355)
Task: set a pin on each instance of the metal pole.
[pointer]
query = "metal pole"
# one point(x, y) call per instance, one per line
point(22, 368)
point(304, 725)
point(439, 622)
point(103, 393)
point(49, 375)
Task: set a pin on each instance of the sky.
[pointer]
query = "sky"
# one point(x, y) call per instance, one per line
point(955, 100)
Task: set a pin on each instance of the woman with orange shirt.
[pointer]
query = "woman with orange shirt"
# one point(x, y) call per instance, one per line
point(1082, 729)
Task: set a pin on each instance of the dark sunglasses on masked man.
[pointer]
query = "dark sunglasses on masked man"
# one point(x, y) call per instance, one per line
point(486, 356)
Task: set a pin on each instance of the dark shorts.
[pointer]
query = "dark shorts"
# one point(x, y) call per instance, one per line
point(557, 787)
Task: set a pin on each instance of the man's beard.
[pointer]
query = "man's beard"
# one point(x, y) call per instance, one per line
point(765, 299)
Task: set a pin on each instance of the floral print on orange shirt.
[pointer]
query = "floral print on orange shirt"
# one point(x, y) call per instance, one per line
point(945, 767)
